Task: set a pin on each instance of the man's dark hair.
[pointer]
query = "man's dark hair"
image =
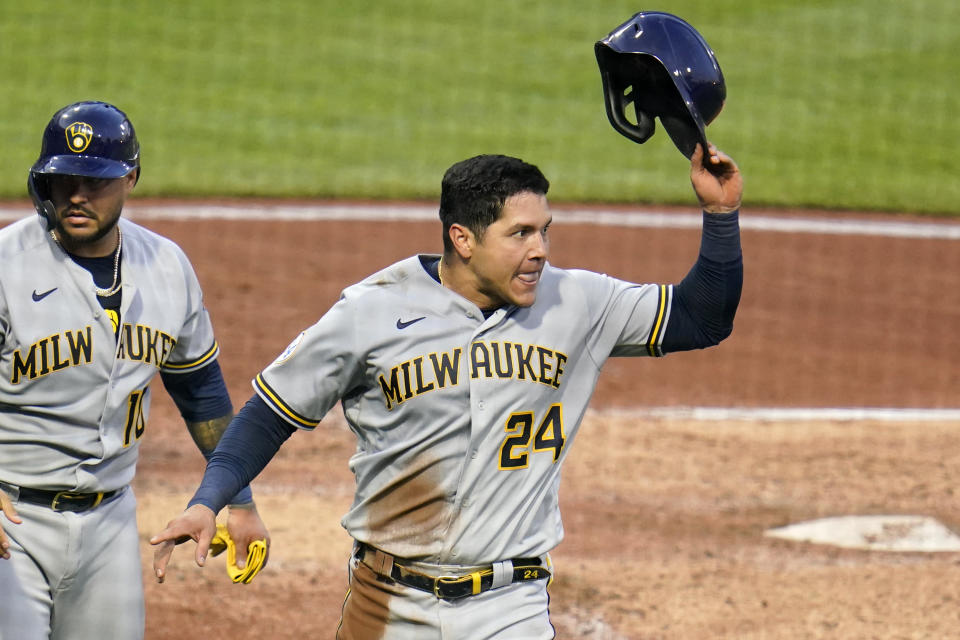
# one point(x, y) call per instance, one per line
point(474, 190)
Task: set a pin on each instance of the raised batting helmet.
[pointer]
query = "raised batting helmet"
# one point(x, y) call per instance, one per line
point(666, 69)
point(92, 139)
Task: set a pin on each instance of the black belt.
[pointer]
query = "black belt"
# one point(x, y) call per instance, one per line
point(65, 500)
point(448, 587)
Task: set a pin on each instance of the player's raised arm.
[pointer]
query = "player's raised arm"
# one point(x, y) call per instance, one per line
point(706, 300)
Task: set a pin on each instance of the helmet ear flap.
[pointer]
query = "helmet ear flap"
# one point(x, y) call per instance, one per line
point(619, 92)
point(618, 98)
point(642, 81)
point(40, 194)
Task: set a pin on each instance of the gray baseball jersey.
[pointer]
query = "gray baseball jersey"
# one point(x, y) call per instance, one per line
point(462, 422)
point(75, 395)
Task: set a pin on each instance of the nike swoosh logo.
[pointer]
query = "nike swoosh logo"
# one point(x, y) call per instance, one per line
point(37, 297)
point(403, 325)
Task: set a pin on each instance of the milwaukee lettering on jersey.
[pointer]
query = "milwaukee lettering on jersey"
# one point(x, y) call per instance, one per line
point(71, 348)
point(520, 361)
point(53, 353)
point(143, 344)
point(500, 360)
point(413, 377)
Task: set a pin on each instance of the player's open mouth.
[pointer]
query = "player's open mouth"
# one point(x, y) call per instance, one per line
point(529, 278)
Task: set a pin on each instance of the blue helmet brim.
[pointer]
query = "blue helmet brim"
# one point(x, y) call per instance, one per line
point(79, 165)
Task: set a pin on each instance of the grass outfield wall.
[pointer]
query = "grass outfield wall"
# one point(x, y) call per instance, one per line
point(844, 104)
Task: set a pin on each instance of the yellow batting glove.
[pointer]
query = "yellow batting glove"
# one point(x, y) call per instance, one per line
point(256, 555)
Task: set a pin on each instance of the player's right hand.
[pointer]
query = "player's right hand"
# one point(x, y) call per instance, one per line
point(6, 505)
point(716, 180)
point(198, 523)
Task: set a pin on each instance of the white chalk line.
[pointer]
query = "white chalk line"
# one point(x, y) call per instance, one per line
point(643, 218)
point(785, 414)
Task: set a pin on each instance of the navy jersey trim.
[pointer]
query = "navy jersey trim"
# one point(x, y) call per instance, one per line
point(279, 406)
point(209, 355)
point(656, 333)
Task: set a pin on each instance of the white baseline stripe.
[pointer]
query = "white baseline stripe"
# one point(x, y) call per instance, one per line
point(781, 414)
point(948, 230)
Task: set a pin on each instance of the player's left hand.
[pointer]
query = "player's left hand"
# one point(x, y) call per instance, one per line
point(245, 526)
point(6, 506)
point(716, 180)
point(198, 523)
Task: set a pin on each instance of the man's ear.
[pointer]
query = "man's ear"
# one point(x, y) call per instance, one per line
point(463, 240)
point(130, 180)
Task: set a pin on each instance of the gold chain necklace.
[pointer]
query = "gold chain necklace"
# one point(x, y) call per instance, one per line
point(103, 293)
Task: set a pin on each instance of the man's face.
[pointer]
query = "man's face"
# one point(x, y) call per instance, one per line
point(88, 208)
point(508, 261)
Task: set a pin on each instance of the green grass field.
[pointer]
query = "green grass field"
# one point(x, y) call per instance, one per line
point(845, 104)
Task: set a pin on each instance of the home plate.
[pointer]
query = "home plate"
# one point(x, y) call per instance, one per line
point(881, 533)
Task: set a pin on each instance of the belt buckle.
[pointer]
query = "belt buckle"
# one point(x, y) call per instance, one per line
point(443, 580)
point(70, 495)
point(473, 578)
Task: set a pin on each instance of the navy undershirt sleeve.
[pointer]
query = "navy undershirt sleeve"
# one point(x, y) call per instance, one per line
point(199, 395)
point(202, 395)
point(254, 436)
point(706, 300)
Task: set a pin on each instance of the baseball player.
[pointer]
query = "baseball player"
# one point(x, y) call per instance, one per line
point(464, 377)
point(92, 306)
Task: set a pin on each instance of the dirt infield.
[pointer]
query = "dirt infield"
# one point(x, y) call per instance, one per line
point(664, 517)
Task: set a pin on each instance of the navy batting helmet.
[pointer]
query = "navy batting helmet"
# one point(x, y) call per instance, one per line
point(666, 69)
point(92, 139)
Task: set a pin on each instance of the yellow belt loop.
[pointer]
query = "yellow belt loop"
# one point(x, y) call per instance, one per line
point(476, 582)
point(98, 500)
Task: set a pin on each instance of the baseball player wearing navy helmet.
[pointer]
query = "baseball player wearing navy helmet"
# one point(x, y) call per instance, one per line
point(92, 306)
point(464, 377)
